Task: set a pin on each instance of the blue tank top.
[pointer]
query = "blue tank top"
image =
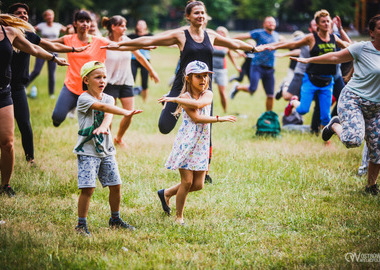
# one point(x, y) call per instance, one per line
point(193, 51)
point(6, 52)
point(322, 47)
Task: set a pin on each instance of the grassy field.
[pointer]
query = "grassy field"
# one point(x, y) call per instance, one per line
point(290, 202)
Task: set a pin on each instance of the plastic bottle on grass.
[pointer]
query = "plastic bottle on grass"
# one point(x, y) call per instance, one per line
point(33, 92)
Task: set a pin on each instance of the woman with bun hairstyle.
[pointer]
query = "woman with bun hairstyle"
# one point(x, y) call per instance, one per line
point(119, 71)
point(12, 36)
point(194, 43)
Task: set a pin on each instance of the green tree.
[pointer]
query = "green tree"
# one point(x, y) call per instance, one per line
point(258, 9)
point(219, 10)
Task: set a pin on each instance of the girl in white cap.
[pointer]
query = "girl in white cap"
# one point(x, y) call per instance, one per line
point(190, 153)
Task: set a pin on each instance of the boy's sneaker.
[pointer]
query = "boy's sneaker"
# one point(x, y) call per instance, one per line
point(7, 190)
point(82, 229)
point(289, 108)
point(208, 179)
point(327, 131)
point(119, 223)
point(373, 190)
point(234, 90)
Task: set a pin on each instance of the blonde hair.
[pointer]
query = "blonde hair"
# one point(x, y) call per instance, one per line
point(187, 88)
point(20, 25)
point(321, 13)
point(47, 11)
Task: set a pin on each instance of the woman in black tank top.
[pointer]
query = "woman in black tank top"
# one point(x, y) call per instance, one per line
point(194, 44)
point(10, 36)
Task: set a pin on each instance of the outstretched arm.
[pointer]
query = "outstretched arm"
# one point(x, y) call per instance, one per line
point(59, 47)
point(107, 108)
point(342, 56)
point(197, 118)
point(184, 100)
point(21, 43)
point(145, 63)
point(294, 44)
point(141, 42)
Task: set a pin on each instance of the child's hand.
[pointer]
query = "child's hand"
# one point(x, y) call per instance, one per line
point(101, 130)
point(131, 113)
point(228, 118)
point(166, 99)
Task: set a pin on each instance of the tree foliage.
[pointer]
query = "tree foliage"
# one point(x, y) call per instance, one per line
point(258, 9)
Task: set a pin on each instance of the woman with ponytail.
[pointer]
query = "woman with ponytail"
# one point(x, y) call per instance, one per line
point(119, 72)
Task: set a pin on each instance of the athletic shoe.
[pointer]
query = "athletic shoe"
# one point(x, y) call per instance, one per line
point(82, 229)
point(373, 190)
point(362, 171)
point(7, 190)
point(289, 108)
point(119, 223)
point(208, 179)
point(327, 131)
point(278, 94)
point(234, 90)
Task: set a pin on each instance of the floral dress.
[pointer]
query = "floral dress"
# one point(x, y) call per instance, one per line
point(192, 144)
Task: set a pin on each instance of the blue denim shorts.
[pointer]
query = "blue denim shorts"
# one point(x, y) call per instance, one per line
point(90, 168)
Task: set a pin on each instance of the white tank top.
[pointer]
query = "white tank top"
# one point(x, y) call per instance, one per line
point(118, 65)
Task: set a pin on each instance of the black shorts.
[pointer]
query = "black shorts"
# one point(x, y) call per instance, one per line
point(5, 96)
point(119, 91)
point(295, 85)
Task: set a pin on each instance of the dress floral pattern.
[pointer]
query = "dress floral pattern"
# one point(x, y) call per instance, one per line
point(192, 144)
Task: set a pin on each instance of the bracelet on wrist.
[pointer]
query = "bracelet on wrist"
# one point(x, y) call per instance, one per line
point(73, 49)
point(53, 58)
point(253, 49)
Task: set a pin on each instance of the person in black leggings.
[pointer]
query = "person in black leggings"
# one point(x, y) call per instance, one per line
point(11, 36)
point(20, 78)
point(194, 44)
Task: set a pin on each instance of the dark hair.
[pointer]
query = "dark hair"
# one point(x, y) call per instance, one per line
point(191, 4)
point(114, 20)
point(82, 15)
point(372, 22)
point(15, 6)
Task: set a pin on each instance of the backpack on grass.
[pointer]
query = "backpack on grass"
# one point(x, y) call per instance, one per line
point(268, 125)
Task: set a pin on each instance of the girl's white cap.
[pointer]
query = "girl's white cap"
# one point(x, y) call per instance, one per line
point(197, 67)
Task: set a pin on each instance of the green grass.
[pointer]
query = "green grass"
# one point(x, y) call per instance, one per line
point(289, 202)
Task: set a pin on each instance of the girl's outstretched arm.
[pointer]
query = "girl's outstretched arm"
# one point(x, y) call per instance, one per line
point(204, 119)
point(184, 100)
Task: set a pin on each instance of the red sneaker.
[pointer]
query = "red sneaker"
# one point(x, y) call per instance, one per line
point(289, 108)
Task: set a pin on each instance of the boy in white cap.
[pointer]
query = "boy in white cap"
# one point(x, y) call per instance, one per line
point(95, 149)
